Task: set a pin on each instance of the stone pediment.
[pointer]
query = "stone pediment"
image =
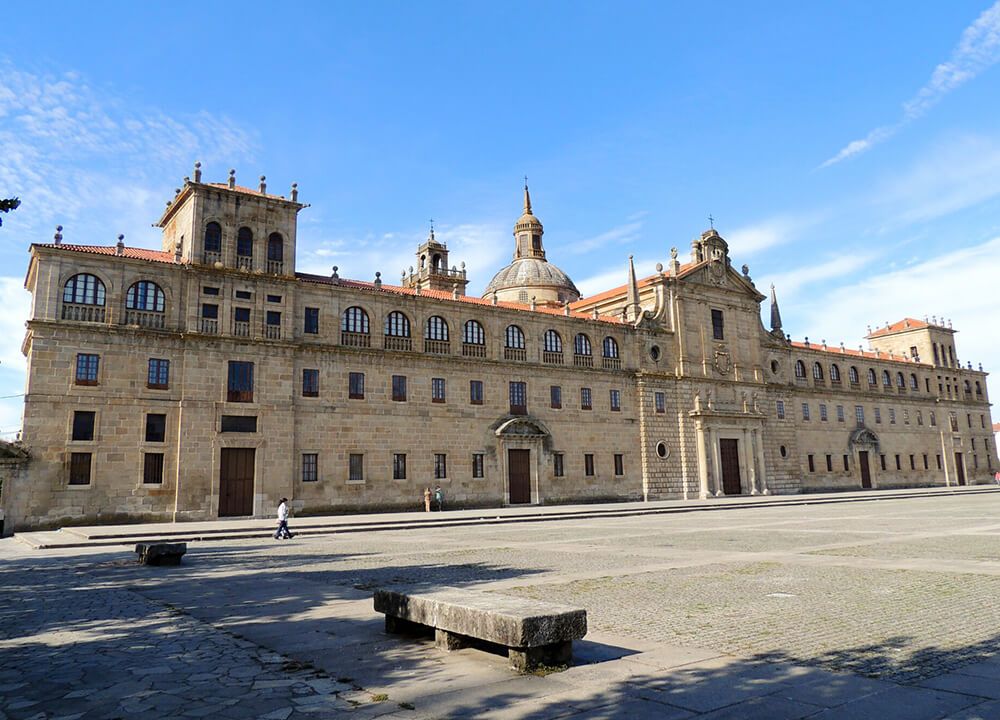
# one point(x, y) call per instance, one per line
point(864, 437)
point(520, 427)
point(718, 273)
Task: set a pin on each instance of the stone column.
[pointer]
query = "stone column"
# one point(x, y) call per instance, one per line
point(748, 457)
point(716, 461)
point(759, 448)
point(702, 461)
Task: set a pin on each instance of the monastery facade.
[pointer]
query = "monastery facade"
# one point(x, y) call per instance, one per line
point(209, 379)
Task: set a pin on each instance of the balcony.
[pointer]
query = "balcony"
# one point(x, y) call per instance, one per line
point(209, 326)
point(144, 319)
point(583, 360)
point(438, 347)
point(211, 257)
point(275, 267)
point(901, 390)
point(515, 354)
point(353, 339)
point(392, 342)
point(83, 313)
point(819, 382)
point(612, 363)
point(241, 328)
point(272, 332)
point(244, 262)
point(552, 358)
point(477, 351)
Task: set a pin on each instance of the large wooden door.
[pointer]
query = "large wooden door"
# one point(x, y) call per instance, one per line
point(729, 451)
point(960, 468)
point(866, 473)
point(236, 482)
point(519, 473)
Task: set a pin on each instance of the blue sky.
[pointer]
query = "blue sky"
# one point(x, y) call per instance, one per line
point(849, 152)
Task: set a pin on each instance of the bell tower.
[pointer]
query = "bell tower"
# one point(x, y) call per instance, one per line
point(528, 232)
point(432, 271)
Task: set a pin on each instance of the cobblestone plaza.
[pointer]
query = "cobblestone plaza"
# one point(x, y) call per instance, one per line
point(880, 608)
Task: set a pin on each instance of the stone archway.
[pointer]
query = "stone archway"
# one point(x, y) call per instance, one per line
point(864, 446)
point(520, 446)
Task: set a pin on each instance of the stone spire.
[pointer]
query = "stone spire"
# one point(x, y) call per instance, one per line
point(632, 307)
point(528, 232)
point(775, 313)
point(527, 198)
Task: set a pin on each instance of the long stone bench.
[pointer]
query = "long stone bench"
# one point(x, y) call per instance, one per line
point(160, 553)
point(535, 633)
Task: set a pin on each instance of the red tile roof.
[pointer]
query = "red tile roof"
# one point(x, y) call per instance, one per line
point(855, 353)
point(904, 324)
point(247, 191)
point(132, 253)
point(996, 427)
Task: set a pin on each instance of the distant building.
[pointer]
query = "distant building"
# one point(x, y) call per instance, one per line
point(209, 379)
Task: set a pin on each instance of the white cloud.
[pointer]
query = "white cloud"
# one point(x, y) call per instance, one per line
point(625, 234)
point(774, 231)
point(977, 50)
point(614, 278)
point(791, 283)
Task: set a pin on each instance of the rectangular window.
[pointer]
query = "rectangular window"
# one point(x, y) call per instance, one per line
point(557, 464)
point(822, 412)
point(968, 417)
point(477, 465)
point(356, 468)
point(892, 416)
point(274, 298)
point(718, 325)
point(914, 354)
point(840, 413)
point(881, 460)
point(210, 290)
point(518, 398)
point(152, 469)
point(953, 418)
point(310, 382)
point(859, 415)
point(312, 321)
point(780, 405)
point(878, 416)
point(555, 397)
point(805, 411)
point(241, 314)
point(310, 467)
point(927, 465)
point(243, 294)
point(440, 466)
point(913, 463)
point(156, 427)
point(239, 424)
point(812, 464)
point(475, 392)
point(586, 402)
point(659, 400)
point(588, 464)
point(210, 311)
point(86, 369)
point(399, 388)
point(83, 424)
point(619, 464)
point(906, 417)
point(437, 390)
point(938, 462)
point(79, 468)
point(158, 374)
point(899, 464)
point(273, 317)
point(399, 466)
point(616, 400)
point(829, 463)
point(982, 421)
point(920, 417)
point(847, 466)
point(356, 386)
point(933, 419)
point(240, 382)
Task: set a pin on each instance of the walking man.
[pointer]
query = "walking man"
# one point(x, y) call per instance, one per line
point(282, 532)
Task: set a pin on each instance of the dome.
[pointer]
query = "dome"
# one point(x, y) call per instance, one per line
point(537, 277)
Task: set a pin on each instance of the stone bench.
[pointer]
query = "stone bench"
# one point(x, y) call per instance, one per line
point(160, 553)
point(535, 633)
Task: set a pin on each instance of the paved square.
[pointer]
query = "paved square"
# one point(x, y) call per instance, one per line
point(861, 608)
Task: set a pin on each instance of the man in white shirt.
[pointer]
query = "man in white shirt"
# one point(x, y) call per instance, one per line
point(282, 532)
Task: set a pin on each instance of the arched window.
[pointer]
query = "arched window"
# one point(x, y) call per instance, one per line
point(473, 333)
point(435, 263)
point(213, 237)
point(914, 383)
point(144, 295)
point(515, 337)
point(437, 328)
point(800, 369)
point(872, 377)
point(397, 324)
point(852, 375)
point(581, 345)
point(354, 320)
point(275, 247)
point(244, 242)
point(552, 341)
point(610, 347)
point(900, 380)
point(84, 289)
point(886, 378)
point(979, 388)
point(817, 371)
point(834, 373)
point(968, 387)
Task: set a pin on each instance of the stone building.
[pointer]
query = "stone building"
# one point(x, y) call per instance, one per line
point(209, 379)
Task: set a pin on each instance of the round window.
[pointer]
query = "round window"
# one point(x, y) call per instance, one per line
point(774, 367)
point(783, 451)
point(662, 450)
point(654, 352)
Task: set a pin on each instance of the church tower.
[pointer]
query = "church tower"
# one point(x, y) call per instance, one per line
point(432, 271)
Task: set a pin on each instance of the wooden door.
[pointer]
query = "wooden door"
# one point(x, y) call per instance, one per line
point(866, 473)
point(519, 473)
point(236, 482)
point(729, 451)
point(960, 468)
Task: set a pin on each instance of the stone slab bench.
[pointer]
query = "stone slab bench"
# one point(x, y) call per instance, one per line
point(535, 633)
point(160, 553)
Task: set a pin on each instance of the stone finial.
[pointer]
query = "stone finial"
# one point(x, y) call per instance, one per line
point(416, 289)
point(934, 319)
point(807, 341)
point(120, 245)
point(596, 314)
point(334, 275)
point(842, 348)
point(566, 308)
point(178, 250)
point(402, 275)
point(980, 367)
point(454, 291)
point(949, 324)
point(232, 179)
point(746, 270)
point(659, 267)
point(673, 253)
point(869, 329)
point(295, 192)
point(970, 365)
point(177, 191)
point(263, 184)
point(493, 298)
point(824, 343)
point(533, 304)
point(58, 235)
point(197, 172)
point(186, 179)
point(378, 279)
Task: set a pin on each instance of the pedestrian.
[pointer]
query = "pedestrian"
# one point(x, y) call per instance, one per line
point(427, 499)
point(439, 497)
point(996, 477)
point(282, 532)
